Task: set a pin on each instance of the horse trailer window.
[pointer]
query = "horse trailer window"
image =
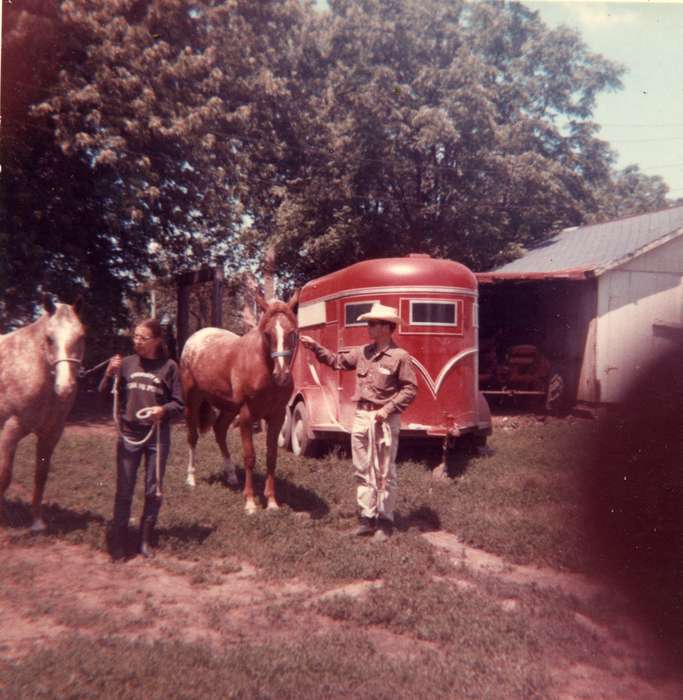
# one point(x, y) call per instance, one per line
point(312, 314)
point(433, 313)
point(354, 310)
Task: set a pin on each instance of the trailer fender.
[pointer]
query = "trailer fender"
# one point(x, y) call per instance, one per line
point(483, 414)
point(316, 407)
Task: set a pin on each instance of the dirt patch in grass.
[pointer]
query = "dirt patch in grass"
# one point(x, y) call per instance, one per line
point(60, 601)
point(55, 588)
point(76, 589)
point(479, 561)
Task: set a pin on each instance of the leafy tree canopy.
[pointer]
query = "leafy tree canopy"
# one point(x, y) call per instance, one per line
point(459, 129)
point(143, 151)
point(156, 136)
point(629, 192)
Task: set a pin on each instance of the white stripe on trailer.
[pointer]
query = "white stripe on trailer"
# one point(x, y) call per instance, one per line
point(434, 386)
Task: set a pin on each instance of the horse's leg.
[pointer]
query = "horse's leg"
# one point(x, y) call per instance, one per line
point(220, 430)
point(10, 434)
point(44, 449)
point(274, 427)
point(192, 422)
point(246, 428)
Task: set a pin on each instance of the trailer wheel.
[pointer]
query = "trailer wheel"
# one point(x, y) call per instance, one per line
point(469, 444)
point(284, 438)
point(555, 393)
point(302, 445)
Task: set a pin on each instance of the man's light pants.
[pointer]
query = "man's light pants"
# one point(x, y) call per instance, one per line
point(376, 478)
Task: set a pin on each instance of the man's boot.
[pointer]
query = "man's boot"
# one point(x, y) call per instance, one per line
point(146, 534)
point(385, 529)
point(366, 526)
point(118, 542)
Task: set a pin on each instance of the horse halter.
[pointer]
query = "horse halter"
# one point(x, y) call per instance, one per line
point(281, 353)
point(73, 360)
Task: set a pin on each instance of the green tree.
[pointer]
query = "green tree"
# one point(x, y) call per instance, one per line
point(37, 181)
point(160, 131)
point(459, 129)
point(630, 192)
point(141, 137)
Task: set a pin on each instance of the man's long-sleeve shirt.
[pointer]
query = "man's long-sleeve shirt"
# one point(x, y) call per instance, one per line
point(385, 377)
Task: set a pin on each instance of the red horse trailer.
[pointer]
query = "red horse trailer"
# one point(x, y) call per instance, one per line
point(437, 302)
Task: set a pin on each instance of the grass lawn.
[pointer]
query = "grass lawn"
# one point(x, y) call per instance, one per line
point(523, 502)
point(473, 636)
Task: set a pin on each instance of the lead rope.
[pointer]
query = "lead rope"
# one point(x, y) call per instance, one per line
point(379, 447)
point(142, 414)
point(85, 372)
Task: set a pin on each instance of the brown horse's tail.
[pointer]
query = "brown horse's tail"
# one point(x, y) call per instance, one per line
point(207, 416)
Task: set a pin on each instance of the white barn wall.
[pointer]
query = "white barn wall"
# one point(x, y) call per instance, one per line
point(631, 298)
point(588, 388)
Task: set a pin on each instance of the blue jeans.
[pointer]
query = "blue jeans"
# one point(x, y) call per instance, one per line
point(128, 458)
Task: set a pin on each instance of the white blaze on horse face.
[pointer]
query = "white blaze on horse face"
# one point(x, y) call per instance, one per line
point(65, 349)
point(280, 334)
point(64, 379)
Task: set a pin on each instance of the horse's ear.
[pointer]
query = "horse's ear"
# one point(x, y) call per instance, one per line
point(293, 303)
point(49, 304)
point(261, 302)
point(248, 317)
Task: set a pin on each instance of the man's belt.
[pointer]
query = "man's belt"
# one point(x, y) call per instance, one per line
point(364, 405)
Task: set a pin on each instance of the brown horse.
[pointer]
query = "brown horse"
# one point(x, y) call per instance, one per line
point(39, 366)
point(247, 375)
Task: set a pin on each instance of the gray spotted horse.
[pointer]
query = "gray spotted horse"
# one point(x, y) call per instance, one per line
point(39, 366)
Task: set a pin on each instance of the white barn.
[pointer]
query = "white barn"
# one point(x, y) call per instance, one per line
point(602, 301)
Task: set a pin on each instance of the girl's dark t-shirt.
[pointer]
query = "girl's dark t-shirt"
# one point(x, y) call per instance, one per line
point(145, 383)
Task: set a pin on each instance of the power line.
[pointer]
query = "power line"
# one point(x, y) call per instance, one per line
point(670, 138)
point(663, 165)
point(642, 126)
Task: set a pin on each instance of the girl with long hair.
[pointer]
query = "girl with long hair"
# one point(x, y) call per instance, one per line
point(147, 394)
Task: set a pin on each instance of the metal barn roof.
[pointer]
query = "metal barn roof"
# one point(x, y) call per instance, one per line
point(590, 250)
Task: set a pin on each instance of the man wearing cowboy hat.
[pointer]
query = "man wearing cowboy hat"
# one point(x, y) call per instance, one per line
point(385, 385)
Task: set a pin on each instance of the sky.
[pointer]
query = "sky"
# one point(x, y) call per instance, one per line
point(643, 121)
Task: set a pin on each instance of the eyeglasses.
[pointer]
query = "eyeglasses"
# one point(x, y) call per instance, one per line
point(142, 338)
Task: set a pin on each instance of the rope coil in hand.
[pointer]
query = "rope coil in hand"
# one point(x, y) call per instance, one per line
point(142, 414)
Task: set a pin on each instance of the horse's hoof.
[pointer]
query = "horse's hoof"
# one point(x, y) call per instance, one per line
point(190, 481)
point(250, 507)
point(231, 478)
point(272, 504)
point(38, 527)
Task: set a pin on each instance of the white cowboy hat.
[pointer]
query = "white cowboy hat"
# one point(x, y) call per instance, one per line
point(379, 312)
